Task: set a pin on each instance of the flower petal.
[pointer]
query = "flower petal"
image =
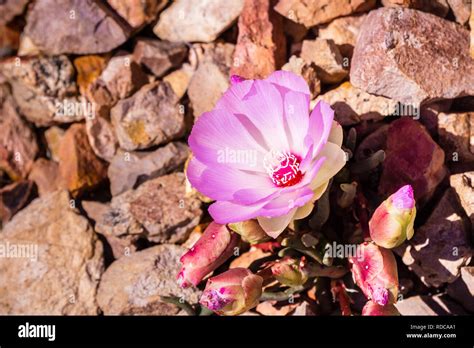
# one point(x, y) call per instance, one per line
point(276, 225)
point(262, 106)
point(225, 212)
point(336, 135)
point(306, 209)
point(289, 81)
point(285, 202)
point(219, 137)
point(296, 108)
point(320, 124)
point(335, 160)
point(220, 182)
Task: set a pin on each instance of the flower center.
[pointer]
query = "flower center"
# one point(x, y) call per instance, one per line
point(283, 168)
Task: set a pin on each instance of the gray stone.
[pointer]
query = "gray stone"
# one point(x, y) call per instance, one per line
point(152, 116)
point(129, 168)
point(74, 27)
point(429, 305)
point(62, 264)
point(159, 56)
point(133, 285)
point(159, 210)
point(462, 290)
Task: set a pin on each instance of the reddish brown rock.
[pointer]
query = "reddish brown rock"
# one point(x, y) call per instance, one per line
point(441, 247)
point(118, 80)
point(14, 197)
point(18, 147)
point(261, 45)
point(412, 57)
point(456, 136)
point(127, 169)
point(197, 20)
point(45, 175)
point(159, 56)
point(44, 89)
point(307, 71)
point(343, 31)
point(461, 10)
point(138, 12)
point(412, 157)
point(311, 13)
point(101, 137)
point(437, 7)
point(150, 117)
point(330, 64)
point(11, 8)
point(79, 167)
point(74, 27)
point(159, 210)
point(294, 31)
point(211, 78)
point(352, 105)
point(463, 185)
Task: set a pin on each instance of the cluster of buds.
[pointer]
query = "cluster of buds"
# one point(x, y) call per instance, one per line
point(230, 293)
point(237, 290)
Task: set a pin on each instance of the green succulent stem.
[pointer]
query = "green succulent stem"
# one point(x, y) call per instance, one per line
point(179, 302)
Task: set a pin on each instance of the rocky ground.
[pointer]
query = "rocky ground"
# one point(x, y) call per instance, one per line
point(97, 99)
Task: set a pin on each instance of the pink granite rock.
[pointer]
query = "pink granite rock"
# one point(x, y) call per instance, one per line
point(261, 45)
point(412, 57)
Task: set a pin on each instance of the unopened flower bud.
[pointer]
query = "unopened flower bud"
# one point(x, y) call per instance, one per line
point(374, 270)
point(393, 220)
point(214, 247)
point(232, 292)
point(290, 271)
point(250, 231)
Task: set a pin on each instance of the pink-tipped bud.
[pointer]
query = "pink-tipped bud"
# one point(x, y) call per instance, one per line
point(234, 79)
point(393, 220)
point(214, 247)
point(291, 272)
point(232, 292)
point(250, 231)
point(372, 308)
point(374, 270)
